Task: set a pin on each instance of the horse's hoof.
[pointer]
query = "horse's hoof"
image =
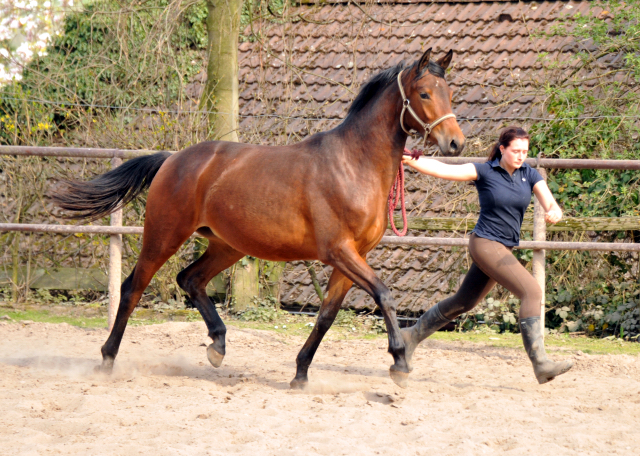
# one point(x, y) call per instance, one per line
point(298, 384)
point(215, 358)
point(399, 378)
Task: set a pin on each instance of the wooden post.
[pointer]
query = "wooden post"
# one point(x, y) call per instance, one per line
point(245, 285)
point(115, 260)
point(538, 262)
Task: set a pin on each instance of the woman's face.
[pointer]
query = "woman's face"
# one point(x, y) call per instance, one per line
point(515, 153)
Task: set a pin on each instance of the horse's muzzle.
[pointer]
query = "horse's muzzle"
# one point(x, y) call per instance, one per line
point(451, 146)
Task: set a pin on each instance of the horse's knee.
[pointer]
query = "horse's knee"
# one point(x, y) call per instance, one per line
point(386, 301)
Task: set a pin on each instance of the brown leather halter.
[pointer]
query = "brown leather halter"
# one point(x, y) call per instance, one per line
point(406, 106)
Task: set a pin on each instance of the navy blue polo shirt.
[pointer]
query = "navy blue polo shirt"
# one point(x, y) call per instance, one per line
point(503, 200)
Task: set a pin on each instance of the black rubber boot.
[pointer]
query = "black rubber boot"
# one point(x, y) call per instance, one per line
point(430, 321)
point(545, 369)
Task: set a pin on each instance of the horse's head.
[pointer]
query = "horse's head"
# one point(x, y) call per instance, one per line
point(427, 104)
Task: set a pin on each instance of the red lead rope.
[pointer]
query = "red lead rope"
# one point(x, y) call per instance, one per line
point(397, 193)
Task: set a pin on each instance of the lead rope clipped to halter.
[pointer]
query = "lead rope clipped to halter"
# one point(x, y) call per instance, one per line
point(397, 193)
point(397, 190)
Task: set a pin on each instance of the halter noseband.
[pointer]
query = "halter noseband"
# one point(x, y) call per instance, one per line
point(406, 106)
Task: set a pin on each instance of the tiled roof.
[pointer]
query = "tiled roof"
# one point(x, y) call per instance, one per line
point(304, 74)
point(312, 68)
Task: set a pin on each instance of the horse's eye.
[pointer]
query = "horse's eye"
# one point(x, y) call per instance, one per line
point(424, 96)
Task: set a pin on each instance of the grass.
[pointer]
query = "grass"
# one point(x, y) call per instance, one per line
point(553, 342)
point(300, 325)
point(45, 316)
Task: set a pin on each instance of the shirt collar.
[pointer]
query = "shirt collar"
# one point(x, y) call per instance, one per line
point(495, 163)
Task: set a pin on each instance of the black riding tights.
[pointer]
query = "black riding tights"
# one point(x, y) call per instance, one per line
point(493, 263)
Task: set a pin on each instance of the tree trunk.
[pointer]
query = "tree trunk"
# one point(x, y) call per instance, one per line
point(220, 98)
point(221, 91)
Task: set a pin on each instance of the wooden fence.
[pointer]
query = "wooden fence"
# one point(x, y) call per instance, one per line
point(537, 224)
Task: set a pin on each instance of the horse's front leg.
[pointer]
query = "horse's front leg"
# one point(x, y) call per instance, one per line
point(337, 289)
point(354, 267)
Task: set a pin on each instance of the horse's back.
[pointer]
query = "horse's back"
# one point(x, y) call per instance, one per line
point(253, 197)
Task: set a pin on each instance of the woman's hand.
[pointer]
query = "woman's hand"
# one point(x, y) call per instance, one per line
point(553, 212)
point(409, 160)
point(553, 216)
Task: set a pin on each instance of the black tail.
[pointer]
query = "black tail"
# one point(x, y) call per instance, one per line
point(109, 191)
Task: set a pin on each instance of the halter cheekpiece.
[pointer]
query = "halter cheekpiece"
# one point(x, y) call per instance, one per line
point(406, 106)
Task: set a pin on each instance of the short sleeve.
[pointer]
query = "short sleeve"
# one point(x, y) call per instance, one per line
point(534, 177)
point(481, 170)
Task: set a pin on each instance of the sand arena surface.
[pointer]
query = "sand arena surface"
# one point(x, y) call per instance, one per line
point(165, 399)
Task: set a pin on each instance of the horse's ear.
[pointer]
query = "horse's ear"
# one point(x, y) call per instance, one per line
point(424, 62)
point(446, 60)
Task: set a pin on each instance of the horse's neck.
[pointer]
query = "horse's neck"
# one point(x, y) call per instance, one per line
point(376, 138)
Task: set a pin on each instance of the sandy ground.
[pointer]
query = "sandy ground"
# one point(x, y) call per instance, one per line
point(165, 399)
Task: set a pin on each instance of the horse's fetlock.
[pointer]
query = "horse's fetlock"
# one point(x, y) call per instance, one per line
point(218, 332)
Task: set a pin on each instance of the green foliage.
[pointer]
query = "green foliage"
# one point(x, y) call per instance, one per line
point(596, 193)
point(498, 314)
point(590, 86)
point(111, 53)
point(598, 308)
point(265, 310)
point(347, 318)
point(375, 325)
point(596, 104)
point(594, 99)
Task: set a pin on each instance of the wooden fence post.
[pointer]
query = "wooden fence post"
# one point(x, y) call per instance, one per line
point(245, 283)
point(538, 261)
point(115, 259)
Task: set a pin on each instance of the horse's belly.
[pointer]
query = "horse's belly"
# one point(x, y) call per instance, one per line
point(269, 238)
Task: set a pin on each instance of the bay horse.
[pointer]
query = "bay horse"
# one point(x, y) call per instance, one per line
point(323, 198)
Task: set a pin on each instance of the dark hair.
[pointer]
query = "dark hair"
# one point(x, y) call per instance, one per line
point(372, 88)
point(506, 136)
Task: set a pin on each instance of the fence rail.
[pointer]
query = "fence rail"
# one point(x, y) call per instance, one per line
point(116, 230)
point(386, 240)
point(87, 152)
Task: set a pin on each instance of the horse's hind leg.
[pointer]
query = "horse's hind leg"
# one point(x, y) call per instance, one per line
point(156, 250)
point(337, 289)
point(194, 280)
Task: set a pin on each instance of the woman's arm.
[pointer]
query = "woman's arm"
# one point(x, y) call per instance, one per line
point(553, 213)
point(431, 167)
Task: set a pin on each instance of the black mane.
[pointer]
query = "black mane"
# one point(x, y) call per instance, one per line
point(377, 83)
point(373, 87)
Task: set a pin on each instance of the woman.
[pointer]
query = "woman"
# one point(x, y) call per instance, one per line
point(504, 183)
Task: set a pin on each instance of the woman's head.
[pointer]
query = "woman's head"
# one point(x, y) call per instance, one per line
point(513, 143)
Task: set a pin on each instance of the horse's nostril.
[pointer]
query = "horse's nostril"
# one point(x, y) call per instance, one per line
point(453, 145)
